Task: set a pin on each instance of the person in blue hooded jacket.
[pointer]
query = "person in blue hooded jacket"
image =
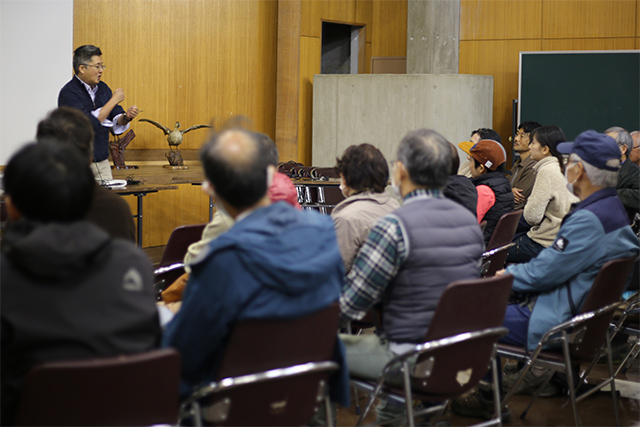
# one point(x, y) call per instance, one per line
point(558, 280)
point(275, 262)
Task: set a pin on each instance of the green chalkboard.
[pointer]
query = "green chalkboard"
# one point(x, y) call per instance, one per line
point(580, 90)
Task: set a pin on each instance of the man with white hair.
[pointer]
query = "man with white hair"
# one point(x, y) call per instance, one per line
point(560, 277)
point(629, 178)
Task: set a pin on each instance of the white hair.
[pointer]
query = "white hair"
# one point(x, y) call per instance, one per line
point(623, 137)
point(598, 177)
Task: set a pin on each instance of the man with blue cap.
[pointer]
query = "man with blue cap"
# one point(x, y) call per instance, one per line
point(596, 231)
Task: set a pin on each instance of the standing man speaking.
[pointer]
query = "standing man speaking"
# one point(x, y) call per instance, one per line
point(88, 93)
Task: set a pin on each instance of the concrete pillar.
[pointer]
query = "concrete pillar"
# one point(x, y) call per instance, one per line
point(433, 36)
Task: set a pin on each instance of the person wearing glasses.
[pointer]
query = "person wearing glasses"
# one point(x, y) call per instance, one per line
point(87, 92)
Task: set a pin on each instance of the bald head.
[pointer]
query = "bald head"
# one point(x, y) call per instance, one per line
point(235, 162)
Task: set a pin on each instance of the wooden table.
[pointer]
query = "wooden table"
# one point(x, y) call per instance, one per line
point(140, 191)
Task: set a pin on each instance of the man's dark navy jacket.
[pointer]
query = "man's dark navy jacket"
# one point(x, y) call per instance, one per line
point(75, 95)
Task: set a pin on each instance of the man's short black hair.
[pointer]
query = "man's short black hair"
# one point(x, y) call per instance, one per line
point(83, 54)
point(486, 133)
point(49, 182)
point(427, 157)
point(274, 156)
point(529, 126)
point(68, 125)
point(241, 182)
point(364, 168)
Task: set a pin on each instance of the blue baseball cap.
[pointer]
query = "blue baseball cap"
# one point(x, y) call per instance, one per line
point(595, 148)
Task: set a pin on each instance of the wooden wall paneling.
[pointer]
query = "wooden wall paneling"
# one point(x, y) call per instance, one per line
point(500, 20)
point(364, 15)
point(187, 61)
point(310, 56)
point(638, 19)
point(389, 36)
point(588, 19)
point(288, 78)
point(311, 18)
point(589, 44)
point(316, 11)
point(499, 58)
point(362, 51)
point(368, 58)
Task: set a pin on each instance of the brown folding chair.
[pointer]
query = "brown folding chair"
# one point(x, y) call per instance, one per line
point(178, 243)
point(262, 345)
point(137, 389)
point(505, 230)
point(494, 260)
point(329, 197)
point(459, 349)
point(279, 397)
point(581, 339)
point(627, 324)
point(172, 261)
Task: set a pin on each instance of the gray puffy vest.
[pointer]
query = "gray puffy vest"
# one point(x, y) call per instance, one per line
point(444, 244)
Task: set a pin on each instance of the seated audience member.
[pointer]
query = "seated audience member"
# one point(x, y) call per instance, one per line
point(634, 155)
point(275, 261)
point(550, 200)
point(523, 175)
point(494, 191)
point(108, 211)
point(281, 189)
point(628, 186)
point(476, 135)
point(69, 291)
point(459, 188)
point(364, 173)
point(560, 277)
point(408, 259)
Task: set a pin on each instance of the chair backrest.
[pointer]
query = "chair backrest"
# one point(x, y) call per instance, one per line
point(505, 229)
point(607, 288)
point(457, 366)
point(494, 260)
point(465, 306)
point(138, 389)
point(280, 397)
point(179, 241)
point(471, 305)
point(260, 345)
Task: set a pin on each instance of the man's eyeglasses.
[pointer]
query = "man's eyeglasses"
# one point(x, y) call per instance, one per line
point(99, 67)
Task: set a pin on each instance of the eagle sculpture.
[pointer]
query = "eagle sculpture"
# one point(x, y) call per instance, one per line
point(175, 136)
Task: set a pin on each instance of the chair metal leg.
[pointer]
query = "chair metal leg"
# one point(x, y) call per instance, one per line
point(327, 409)
point(569, 372)
point(496, 392)
point(372, 398)
point(407, 393)
point(525, 369)
point(537, 393)
point(614, 396)
point(631, 355)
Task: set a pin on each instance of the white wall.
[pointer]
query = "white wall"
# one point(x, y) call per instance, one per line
point(36, 49)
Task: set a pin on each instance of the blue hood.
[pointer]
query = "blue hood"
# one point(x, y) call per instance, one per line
point(273, 243)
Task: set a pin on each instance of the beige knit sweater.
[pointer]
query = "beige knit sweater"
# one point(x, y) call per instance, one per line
point(549, 202)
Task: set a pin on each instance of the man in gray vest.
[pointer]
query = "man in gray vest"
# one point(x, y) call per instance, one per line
point(409, 258)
